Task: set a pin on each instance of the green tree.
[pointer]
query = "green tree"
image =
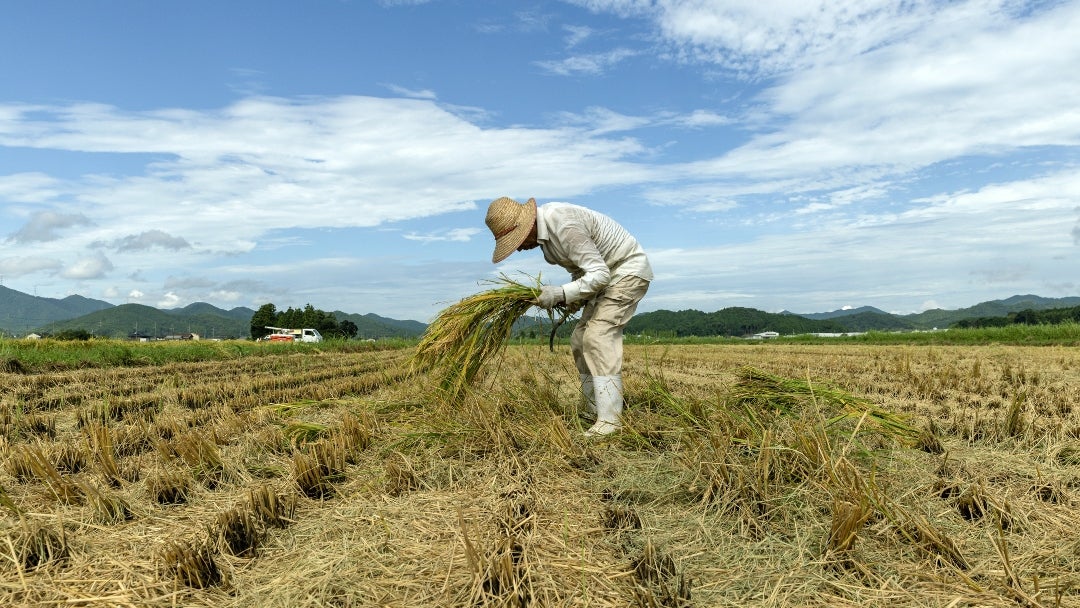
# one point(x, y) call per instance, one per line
point(348, 329)
point(266, 315)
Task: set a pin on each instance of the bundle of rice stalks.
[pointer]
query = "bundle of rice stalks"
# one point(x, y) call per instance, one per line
point(469, 333)
point(760, 395)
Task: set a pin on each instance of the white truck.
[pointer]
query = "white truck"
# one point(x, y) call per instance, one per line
point(284, 334)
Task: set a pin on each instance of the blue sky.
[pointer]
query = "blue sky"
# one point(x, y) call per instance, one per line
point(800, 155)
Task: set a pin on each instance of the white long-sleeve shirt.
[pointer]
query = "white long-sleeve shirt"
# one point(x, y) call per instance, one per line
point(591, 246)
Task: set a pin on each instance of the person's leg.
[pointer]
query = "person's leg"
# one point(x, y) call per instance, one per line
point(602, 348)
point(577, 338)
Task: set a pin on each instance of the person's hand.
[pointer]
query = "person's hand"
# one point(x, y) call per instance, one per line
point(550, 295)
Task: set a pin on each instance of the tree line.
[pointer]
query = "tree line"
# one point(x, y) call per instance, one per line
point(734, 321)
point(300, 318)
point(1050, 316)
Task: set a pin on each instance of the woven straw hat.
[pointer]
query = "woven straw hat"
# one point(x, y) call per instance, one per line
point(510, 222)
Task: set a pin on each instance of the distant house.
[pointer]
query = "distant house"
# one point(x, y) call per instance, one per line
point(32, 337)
point(188, 336)
point(139, 336)
point(765, 335)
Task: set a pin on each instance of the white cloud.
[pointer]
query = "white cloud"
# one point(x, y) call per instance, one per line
point(771, 37)
point(135, 294)
point(456, 234)
point(93, 266)
point(148, 240)
point(32, 187)
point(412, 93)
point(45, 226)
point(701, 119)
point(16, 266)
point(233, 177)
point(599, 121)
point(591, 64)
point(169, 300)
point(576, 34)
point(999, 239)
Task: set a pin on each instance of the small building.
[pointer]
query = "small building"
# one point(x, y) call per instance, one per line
point(187, 336)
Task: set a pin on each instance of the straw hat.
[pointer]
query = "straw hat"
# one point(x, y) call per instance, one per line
point(510, 222)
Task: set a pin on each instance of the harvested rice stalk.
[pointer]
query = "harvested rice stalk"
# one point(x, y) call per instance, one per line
point(469, 333)
point(169, 488)
point(194, 564)
point(37, 544)
point(759, 395)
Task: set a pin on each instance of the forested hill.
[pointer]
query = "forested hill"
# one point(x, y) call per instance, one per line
point(735, 321)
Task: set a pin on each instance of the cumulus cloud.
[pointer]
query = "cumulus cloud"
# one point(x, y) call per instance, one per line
point(346, 161)
point(46, 225)
point(93, 266)
point(169, 300)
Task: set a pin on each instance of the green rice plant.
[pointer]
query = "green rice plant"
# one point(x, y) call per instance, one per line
point(7, 503)
point(471, 332)
point(299, 432)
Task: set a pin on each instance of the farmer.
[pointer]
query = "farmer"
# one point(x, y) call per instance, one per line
point(610, 274)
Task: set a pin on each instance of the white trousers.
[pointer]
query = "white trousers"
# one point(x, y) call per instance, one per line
point(597, 341)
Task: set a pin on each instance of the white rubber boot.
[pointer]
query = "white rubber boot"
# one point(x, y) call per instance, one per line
point(588, 392)
point(609, 405)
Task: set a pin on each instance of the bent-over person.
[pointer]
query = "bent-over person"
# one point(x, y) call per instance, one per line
point(609, 273)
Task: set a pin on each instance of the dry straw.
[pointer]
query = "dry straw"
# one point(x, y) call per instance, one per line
point(471, 332)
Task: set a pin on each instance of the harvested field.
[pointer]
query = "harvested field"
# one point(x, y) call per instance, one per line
point(763, 475)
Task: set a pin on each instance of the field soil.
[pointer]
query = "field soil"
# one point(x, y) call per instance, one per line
point(746, 475)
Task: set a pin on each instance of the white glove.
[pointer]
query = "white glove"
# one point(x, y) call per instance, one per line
point(550, 295)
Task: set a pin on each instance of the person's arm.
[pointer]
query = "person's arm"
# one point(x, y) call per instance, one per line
point(582, 251)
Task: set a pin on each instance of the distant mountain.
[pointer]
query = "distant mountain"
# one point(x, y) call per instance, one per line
point(735, 321)
point(994, 308)
point(126, 319)
point(867, 318)
point(208, 321)
point(371, 325)
point(240, 312)
point(20, 312)
point(843, 312)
